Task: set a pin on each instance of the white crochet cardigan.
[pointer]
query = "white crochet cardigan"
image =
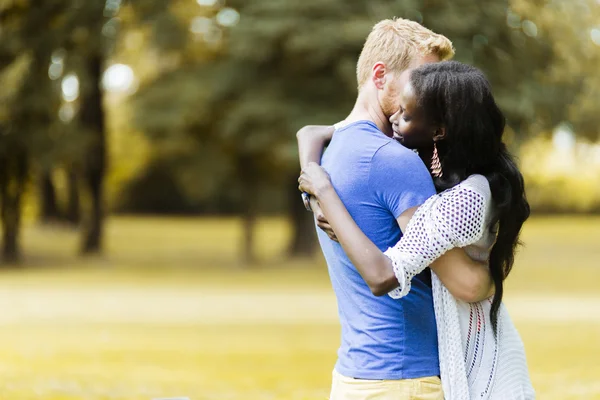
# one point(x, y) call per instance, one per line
point(474, 364)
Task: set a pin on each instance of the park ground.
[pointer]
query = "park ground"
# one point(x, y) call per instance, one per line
point(169, 312)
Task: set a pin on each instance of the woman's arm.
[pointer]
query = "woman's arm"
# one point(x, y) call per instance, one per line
point(312, 139)
point(375, 268)
point(435, 235)
point(466, 279)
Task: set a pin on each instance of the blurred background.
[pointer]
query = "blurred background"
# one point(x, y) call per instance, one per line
point(154, 243)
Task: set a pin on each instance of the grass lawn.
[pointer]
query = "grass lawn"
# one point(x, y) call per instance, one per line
point(168, 312)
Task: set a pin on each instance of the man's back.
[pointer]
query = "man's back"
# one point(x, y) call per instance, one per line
point(378, 179)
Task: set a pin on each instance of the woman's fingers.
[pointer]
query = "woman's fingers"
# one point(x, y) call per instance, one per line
point(304, 187)
point(325, 227)
point(305, 184)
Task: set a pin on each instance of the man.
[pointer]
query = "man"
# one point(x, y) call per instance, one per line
point(388, 347)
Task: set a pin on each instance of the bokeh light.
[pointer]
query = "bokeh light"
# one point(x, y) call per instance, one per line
point(513, 20)
point(207, 3)
point(110, 28)
point(111, 7)
point(563, 138)
point(530, 28)
point(66, 112)
point(70, 87)
point(228, 17)
point(201, 25)
point(56, 68)
point(595, 35)
point(58, 56)
point(55, 71)
point(118, 78)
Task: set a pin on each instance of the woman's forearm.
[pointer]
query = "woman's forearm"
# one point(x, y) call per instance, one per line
point(375, 268)
point(311, 142)
point(467, 279)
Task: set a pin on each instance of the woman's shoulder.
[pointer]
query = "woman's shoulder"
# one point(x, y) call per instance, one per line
point(476, 183)
point(474, 189)
point(464, 209)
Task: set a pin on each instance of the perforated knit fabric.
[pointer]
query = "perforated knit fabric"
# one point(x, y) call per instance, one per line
point(454, 218)
point(474, 364)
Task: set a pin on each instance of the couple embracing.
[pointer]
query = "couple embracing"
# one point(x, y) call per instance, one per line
point(419, 207)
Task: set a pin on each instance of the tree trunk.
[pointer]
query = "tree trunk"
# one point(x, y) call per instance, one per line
point(249, 183)
point(72, 214)
point(249, 222)
point(93, 228)
point(92, 119)
point(303, 243)
point(13, 175)
point(47, 196)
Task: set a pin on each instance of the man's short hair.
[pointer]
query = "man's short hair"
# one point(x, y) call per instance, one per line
point(397, 43)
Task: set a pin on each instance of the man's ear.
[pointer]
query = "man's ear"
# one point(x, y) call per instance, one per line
point(379, 75)
point(439, 133)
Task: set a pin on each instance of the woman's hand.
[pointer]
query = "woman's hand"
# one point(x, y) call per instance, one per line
point(322, 222)
point(314, 180)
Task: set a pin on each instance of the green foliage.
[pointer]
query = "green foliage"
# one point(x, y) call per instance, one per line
point(567, 85)
point(288, 63)
point(220, 104)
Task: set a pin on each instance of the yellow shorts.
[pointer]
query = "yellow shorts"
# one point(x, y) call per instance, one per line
point(427, 388)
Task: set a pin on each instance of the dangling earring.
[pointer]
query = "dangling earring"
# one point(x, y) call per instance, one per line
point(436, 165)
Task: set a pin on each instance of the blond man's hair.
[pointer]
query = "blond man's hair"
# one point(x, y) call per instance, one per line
point(398, 43)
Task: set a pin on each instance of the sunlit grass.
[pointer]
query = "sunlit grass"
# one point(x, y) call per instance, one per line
point(169, 312)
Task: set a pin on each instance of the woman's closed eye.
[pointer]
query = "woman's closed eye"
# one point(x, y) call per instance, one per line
point(403, 114)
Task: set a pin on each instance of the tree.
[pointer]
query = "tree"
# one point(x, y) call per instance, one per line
point(26, 111)
point(289, 63)
point(89, 33)
point(79, 31)
point(565, 88)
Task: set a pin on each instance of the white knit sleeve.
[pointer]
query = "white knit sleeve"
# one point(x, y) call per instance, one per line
point(454, 218)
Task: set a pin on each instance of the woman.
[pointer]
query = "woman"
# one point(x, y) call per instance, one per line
point(449, 115)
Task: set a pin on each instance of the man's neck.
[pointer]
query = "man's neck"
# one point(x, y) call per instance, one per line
point(367, 108)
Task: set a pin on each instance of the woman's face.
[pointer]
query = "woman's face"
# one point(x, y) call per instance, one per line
point(409, 124)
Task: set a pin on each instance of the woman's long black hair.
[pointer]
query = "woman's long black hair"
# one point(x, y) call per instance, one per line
point(458, 97)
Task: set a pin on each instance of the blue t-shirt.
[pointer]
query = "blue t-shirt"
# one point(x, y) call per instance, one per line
point(378, 179)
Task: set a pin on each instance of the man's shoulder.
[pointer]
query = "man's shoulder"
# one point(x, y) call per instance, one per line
point(360, 137)
point(365, 130)
point(398, 170)
point(393, 153)
point(359, 126)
